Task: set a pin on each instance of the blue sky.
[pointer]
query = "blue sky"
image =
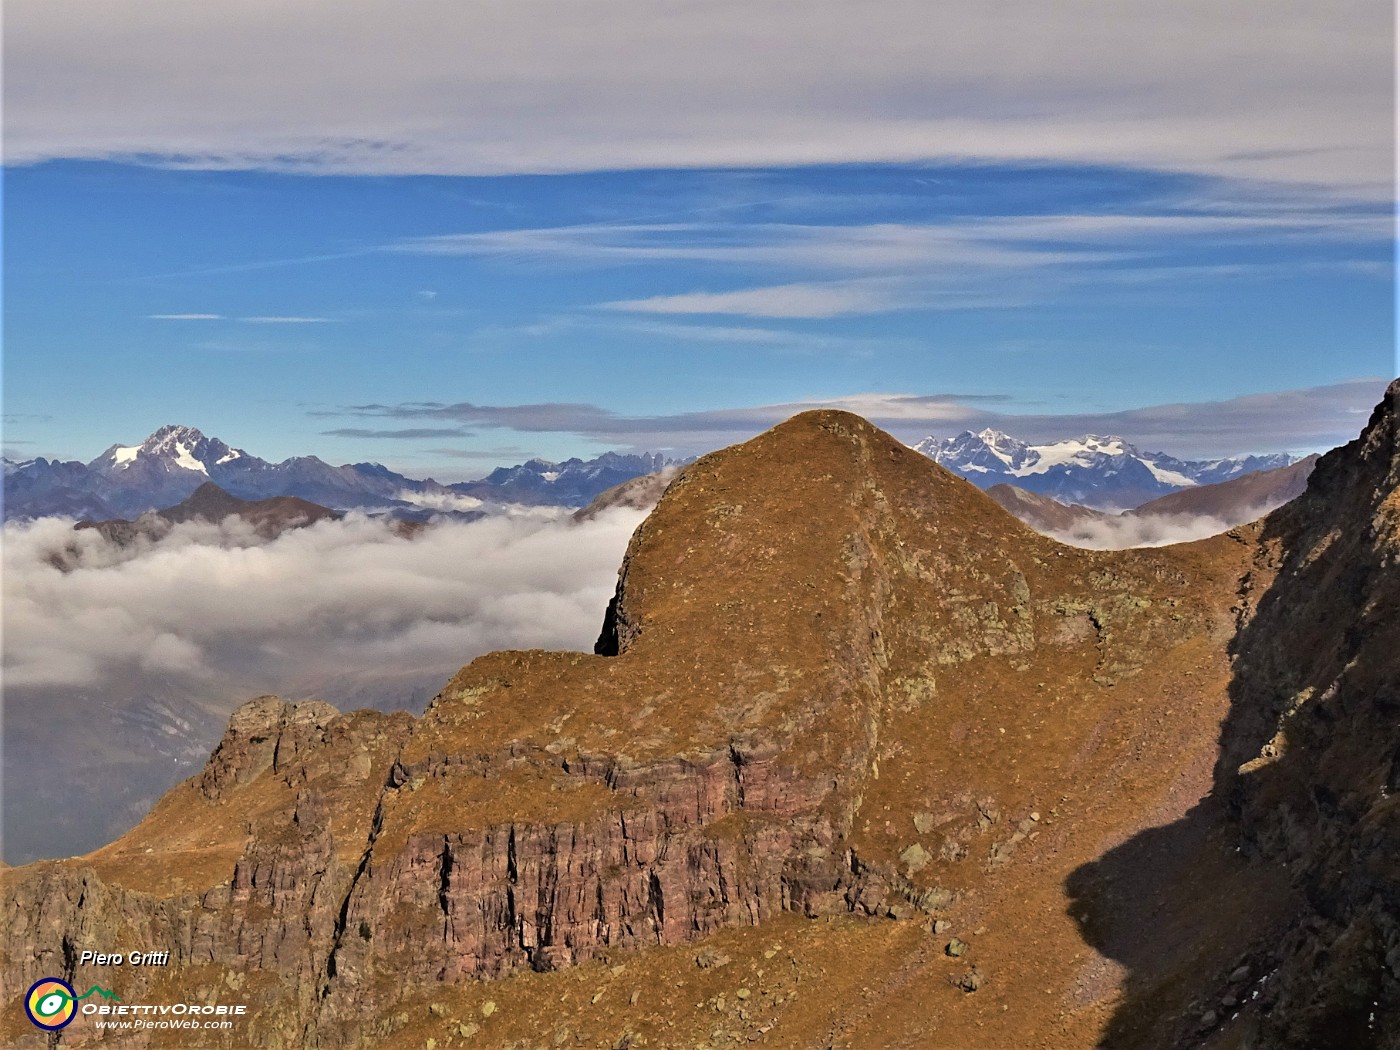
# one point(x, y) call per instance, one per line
point(469, 278)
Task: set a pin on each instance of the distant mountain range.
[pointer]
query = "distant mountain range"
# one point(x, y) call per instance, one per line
point(129, 480)
point(1105, 473)
point(572, 483)
point(1219, 506)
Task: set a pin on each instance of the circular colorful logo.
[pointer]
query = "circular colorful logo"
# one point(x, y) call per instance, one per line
point(51, 1003)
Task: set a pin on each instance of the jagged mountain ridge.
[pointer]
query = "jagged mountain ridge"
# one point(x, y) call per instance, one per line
point(168, 449)
point(40, 487)
point(759, 751)
point(889, 700)
point(129, 480)
point(1104, 473)
point(572, 483)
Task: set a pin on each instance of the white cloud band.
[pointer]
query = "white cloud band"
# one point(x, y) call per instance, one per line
point(1255, 89)
point(226, 614)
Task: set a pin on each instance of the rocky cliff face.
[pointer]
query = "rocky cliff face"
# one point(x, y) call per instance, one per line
point(1310, 755)
point(885, 700)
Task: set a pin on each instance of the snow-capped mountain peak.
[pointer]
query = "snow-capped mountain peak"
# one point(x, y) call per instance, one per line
point(986, 452)
point(1103, 471)
point(170, 448)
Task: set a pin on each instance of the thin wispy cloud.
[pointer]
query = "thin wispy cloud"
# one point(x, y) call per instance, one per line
point(830, 299)
point(1298, 420)
point(491, 456)
point(776, 339)
point(955, 263)
point(960, 262)
point(991, 241)
point(406, 434)
point(674, 334)
point(833, 299)
point(254, 265)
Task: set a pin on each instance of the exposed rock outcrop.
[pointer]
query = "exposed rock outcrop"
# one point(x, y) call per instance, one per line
point(1304, 789)
point(1310, 755)
point(884, 699)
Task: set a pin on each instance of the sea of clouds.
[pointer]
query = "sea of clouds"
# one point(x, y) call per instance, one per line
point(1115, 533)
point(216, 608)
point(122, 663)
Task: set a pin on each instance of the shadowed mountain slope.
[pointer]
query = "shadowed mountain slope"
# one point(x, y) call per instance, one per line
point(1304, 786)
point(854, 741)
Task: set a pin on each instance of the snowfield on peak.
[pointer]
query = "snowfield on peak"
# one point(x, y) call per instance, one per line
point(184, 459)
point(1104, 472)
point(125, 481)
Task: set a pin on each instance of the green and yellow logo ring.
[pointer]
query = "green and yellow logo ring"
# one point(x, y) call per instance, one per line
point(51, 1003)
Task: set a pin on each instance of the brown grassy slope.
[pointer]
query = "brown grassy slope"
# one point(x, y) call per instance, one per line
point(1239, 499)
point(952, 714)
point(1043, 513)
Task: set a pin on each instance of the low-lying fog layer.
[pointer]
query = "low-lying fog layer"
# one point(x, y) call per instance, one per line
point(121, 665)
point(1148, 530)
point(215, 604)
